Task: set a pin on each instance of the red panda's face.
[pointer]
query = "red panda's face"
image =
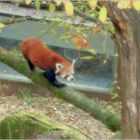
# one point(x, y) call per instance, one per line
point(65, 71)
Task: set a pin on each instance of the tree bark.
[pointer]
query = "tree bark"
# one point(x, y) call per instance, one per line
point(112, 121)
point(129, 75)
point(127, 40)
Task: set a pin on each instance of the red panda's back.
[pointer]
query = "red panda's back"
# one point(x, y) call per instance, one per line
point(32, 46)
point(39, 55)
point(35, 51)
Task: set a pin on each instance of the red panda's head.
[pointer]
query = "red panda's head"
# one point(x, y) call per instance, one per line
point(65, 70)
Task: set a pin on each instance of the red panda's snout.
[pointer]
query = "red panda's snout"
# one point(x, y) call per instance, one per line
point(68, 77)
point(65, 71)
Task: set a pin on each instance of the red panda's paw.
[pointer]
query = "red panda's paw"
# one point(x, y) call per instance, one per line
point(51, 77)
point(58, 84)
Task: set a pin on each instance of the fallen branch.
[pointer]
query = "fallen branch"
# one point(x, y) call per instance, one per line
point(112, 121)
point(24, 125)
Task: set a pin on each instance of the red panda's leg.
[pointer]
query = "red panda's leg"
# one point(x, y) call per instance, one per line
point(31, 66)
point(50, 75)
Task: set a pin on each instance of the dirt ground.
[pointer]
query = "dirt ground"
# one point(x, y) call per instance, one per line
point(13, 99)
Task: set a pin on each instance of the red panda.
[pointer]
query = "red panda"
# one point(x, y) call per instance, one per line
point(37, 54)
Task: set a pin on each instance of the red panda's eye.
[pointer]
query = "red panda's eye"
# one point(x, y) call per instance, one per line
point(59, 66)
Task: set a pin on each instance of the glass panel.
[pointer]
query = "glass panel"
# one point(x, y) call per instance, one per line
point(95, 74)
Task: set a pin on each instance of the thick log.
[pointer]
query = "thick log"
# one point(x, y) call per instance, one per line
point(112, 121)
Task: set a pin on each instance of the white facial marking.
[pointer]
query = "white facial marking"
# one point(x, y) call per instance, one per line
point(69, 78)
point(58, 67)
point(62, 75)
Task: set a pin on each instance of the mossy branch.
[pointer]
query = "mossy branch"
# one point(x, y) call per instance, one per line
point(112, 121)
point(23, 125)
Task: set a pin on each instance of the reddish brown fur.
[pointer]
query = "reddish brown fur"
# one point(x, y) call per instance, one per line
point(40, 55)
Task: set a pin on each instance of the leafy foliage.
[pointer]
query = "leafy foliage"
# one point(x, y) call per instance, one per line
point(129, 4)
point(69, 8)
point(92, 4)
point(124, 4)
point(103, 14)
point(80, 41)
point(136, 5)
point(27, 2)
point(52, 8)
point(58, 2)
point(1, 26)
point(37, 4)
point(114, 95)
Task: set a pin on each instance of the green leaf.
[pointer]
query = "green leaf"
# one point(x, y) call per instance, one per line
point(111, 28)
point(69, 8)
point(92, 3)
point(17, 4)
point(103, 14)
point(104, 61)
point(37, 4)
point(136, 5)
point(87, 57)
point(92, 51)
point(27, 2)
point(52, 8)
point(114, 95)
point(1, 26)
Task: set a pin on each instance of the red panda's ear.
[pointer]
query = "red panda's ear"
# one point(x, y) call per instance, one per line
point(58, 67)
point(73, 62)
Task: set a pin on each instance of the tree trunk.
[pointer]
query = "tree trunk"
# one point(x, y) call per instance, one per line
point(129, 75)
point(127, 38)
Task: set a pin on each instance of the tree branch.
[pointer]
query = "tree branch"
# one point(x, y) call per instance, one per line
point(112, 121)
point(13, 20)
point(91, 18)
